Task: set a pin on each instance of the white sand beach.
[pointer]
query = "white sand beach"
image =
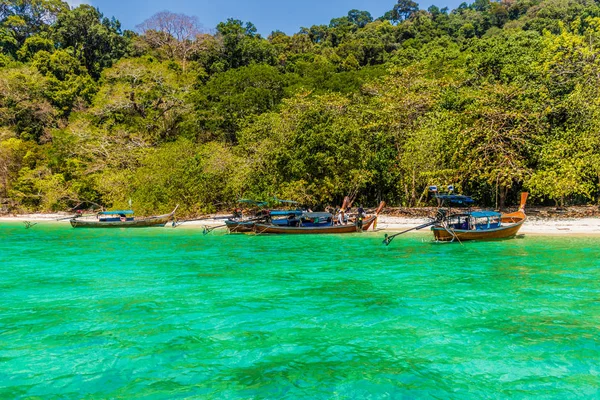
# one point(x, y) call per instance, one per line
point(533, 225)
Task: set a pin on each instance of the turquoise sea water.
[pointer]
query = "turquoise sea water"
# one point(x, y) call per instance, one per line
point(171, 313)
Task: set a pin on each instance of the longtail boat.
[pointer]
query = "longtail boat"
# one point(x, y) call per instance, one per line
point(275, 217)
point(479, 225)
point(122, 219)
point(318, 223)
point(330, 228)
point(241, 223)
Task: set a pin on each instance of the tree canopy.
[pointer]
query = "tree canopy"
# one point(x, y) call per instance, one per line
point(492, 97)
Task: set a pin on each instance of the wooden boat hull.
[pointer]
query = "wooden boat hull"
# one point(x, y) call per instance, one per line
point(239, 226)
point(159, 220)
point(248, 226)
point(514, 222)
point(300, 230)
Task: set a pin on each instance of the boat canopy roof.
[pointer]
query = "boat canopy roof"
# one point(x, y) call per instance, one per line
point(485, 214)
point(285, 212)
point(117, 212)
point(456, 199)
point(317, 215)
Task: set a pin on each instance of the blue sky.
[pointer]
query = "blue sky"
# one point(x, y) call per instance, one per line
point(267, 15)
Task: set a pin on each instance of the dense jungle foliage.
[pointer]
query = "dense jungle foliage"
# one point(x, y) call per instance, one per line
point(493, 97)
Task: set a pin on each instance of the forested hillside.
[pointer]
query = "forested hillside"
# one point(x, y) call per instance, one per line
point(493, 97)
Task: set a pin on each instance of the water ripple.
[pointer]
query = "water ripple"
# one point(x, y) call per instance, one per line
point(170, 313)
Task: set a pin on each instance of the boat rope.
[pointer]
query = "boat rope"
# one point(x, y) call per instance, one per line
point(176, 222)
point(261, 232)
point(452, 233)
point(388, 238)
point(29, 224)
point(206, 229)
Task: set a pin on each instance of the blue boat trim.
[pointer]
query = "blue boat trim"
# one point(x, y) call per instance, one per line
point(117, 212)
point(279, 213)
point(485, 214)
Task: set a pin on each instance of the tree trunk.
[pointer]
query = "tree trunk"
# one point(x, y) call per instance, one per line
point(503, 193)
point(413, 199)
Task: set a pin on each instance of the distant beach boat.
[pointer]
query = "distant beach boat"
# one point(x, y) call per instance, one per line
point(469, 225)
point(122, 219)
point(241, 223)
point(317, 223)
point(477, 225)
point(312, 228)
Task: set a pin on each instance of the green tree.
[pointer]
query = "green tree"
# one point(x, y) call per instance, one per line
point(230, 98)
point(25, 18)
point(145, 97)
point(359, 18)
point(96, 41)
point(197, 177)
point(508, 57)
point(242, 46)
point(13, 156)
point(311, 151)
point(495, 144)
point(569, 153)
point(23, 105)
point(403, 10)
point(34, 44)
point(398, 105)
point(8, 43)
point(69, 84)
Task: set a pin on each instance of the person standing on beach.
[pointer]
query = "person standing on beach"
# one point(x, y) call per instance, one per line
point(359, 217)
point(341, 217)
